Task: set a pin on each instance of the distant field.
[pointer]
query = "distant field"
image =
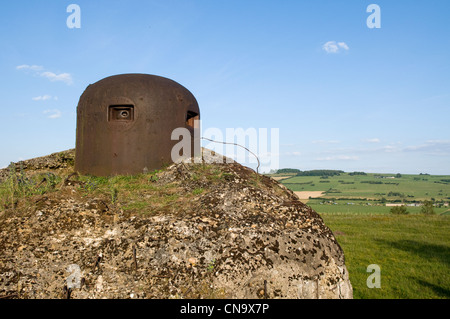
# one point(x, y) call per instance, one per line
point(413, 251)
point(365, 209)
point(370, 186)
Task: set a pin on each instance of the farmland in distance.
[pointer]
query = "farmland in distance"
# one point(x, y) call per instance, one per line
point(412, 250)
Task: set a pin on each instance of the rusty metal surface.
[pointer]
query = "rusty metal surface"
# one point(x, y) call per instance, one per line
point(125, 122)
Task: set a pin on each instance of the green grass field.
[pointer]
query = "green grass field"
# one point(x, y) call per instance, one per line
point(362, 208)
point(412, 251)
point(408, 187)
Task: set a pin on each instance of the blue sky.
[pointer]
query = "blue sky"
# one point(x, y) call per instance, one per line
point(343, 96)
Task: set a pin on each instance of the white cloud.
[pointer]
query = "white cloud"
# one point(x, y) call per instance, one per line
point(390, 148)
point(30, 67)
point(331, 47)
point(372, 140)
point(53, 114)
point(40, 70)
point(431, 147)
point(343, 45)
point(293, 153)
point(63, 77)
point(325, 142)
point(446, 142)
point(338, 158)
point(42, 98)
point(335, 47)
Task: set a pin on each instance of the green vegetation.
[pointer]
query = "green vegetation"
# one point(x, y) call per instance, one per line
point(136, 194)
point(399, 210)
point(427, 208)
point(114, 194)
point(197, 191)
point(142, 193)
point(288, 170)
point(411, 243)
point(320, 172)
point(357, 173)
point(413, 252)
point(18, 186)
point(211, 265)
point(374, 187)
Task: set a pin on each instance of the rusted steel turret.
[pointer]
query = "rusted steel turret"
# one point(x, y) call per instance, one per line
point(125, 123)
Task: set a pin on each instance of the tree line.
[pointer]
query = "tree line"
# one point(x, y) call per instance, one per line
point(316, 172)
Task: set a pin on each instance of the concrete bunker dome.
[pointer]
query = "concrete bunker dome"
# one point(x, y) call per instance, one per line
point(125, 123)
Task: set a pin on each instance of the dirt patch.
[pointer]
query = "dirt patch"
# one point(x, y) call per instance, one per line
point(307, 195)
point(280, 178)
